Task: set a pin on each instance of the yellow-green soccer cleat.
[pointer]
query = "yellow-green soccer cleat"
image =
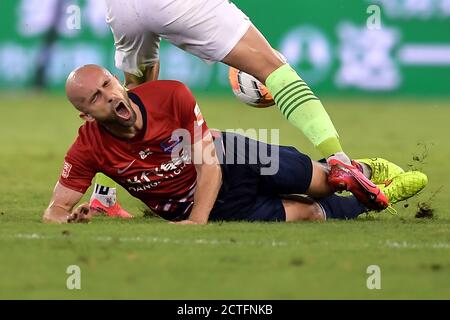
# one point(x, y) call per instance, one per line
point(383, 171)
point(404, 186)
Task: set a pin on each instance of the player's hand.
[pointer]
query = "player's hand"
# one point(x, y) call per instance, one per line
point(81, 214)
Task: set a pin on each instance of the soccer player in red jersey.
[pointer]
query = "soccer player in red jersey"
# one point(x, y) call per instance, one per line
point(154, 141)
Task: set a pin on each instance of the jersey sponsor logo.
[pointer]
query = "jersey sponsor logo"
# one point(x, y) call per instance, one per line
point(66, 170)
point(168, 145)
point(165, 171)
point(152, 178)
point(120, 171)
point(145, 153)
point(144, 187)
point(198, 115)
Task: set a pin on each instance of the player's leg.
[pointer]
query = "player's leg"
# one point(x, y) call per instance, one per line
point(319, 186)
point(401, 187)
point(245, 194)
point(273, 208)
point(276, 209)
point(254, 55)
point(302, 209)
point(104, 198)
point(246, 206)
point(342, 208)
point(301, 107)
point(294, 172)
point(279, 169)
point(299, 208)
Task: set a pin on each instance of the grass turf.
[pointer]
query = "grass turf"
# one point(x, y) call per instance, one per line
point(148, 258)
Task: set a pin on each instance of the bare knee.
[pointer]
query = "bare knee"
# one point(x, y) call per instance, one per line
point(301, 211)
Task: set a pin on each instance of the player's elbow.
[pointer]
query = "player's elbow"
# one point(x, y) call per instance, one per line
point(51, 215)
point(47, 217)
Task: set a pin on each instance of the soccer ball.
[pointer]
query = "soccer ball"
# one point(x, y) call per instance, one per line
point(249, 90)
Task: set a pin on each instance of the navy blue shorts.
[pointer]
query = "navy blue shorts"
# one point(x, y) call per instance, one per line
point(255, 175)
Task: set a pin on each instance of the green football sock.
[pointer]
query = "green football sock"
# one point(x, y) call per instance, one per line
point(303, 109)
point(104, 181)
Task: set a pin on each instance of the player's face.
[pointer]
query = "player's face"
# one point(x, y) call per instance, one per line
point(106, 100)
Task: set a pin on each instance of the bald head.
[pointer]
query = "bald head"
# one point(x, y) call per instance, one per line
point(82, 81)
point(100, 96)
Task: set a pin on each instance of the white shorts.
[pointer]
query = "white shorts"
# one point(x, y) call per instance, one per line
point(209, 29)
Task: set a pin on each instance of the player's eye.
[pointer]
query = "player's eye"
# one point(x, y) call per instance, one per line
point(94, 97)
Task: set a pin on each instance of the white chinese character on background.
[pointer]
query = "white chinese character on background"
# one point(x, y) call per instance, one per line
point(419, 8)
point(365, 57)
point(95, 12)
point(35, 16)
point(444, 8)
point(308, 51)
point(66, 58)
point(16, 63)
point(412, 9)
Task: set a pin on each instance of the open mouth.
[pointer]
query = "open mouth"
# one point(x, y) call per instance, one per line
point(122, 111)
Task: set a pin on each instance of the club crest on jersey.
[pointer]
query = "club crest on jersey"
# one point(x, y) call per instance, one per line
point(145, 153)
point(66, 170)
point(168, 145)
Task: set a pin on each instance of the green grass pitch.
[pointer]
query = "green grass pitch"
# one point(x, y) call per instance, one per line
point(151, 259)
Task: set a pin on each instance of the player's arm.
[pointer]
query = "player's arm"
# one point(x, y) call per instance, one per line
point(209, 179)
point(60, 208)
point(150, 73)
point(76, 176)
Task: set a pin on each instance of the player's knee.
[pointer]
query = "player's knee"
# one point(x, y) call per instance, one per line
point(314, 213)
point(300, 211)
point(317, 213)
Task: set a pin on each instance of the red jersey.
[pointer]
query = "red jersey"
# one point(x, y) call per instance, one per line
point(145, 165)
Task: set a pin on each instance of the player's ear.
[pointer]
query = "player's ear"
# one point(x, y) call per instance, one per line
point(86, 117)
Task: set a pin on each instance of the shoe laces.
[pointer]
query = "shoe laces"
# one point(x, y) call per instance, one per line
point(381, 170)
